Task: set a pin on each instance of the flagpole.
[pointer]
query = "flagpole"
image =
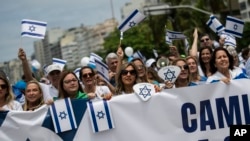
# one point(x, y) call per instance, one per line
point(121, 38)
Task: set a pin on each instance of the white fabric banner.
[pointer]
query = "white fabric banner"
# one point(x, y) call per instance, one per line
point(197, 113)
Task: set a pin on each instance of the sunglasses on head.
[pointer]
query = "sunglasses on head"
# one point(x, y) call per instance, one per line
point(203, 40)
point(86, 75)
point(125, 72)
point(3, 86)
point(185, 67)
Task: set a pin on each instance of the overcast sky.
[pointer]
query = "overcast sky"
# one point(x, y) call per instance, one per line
point(57, 13)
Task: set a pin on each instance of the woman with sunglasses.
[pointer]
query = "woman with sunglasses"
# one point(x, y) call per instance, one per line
point(195, 77)
point(7, 101)
point(222, 66)
point(33, 96)
point(88, 78)
point(183, 80)
point(126, 78)
point(69, 86)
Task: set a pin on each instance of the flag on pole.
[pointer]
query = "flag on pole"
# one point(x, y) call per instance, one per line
point(100, 115)
point(174, 35)
point(215, 25)
point(229, 39)
point(138, 54)
point(102, 69)
point(168, 41)
point(34, 29)
point(77, 72)
point(234, 26)
point(132, 20)
point(62, 115)
point(59, 62)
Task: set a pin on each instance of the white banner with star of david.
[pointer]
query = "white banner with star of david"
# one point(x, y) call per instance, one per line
point(234, 26)
point(33, 28)
point(62, 115)
point(132, 20)
point(100, 115)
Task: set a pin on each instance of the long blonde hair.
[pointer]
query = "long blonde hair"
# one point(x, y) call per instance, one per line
point(41, 100)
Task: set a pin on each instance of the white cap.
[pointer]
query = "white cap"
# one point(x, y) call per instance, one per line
point(149, 62)
point(53, 67)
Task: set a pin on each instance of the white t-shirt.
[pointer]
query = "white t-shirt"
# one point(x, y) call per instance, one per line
point(14, 105)
point(49, 91)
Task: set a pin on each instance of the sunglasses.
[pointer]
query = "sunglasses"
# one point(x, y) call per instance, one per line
point(185, 67)
point(125, 72)
point(3, 86)
point(86, 75)
point(203, 40)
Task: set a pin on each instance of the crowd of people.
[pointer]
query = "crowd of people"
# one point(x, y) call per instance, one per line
point(204, 64)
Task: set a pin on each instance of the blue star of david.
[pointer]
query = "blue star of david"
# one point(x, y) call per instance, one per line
point(145, 91)
point(235, 26)
point(174, 36)
point(169, 75)
point(100, 115)
point(62, 115)
point(32, 28)
point(132, 23)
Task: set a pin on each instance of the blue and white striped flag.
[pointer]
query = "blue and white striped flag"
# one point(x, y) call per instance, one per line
point(34, 29)
point(215, 25)
point(229, 39)
point(63, 115)
point(59, 62)
point(132, 20)
point(168, 41)
point(234, 26)
point(138, 54)
point(77, 72)
point(96, 56)
point(102, 69)
point(174, 35)
point(100, 115)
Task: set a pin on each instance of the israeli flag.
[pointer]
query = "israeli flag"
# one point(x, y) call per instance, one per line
point(215, 25)
point(168, 41)
point(102, 69)
point(234, 26)
point(138, 54)
point(132, 20)
point(96, 56)
point(59, 62)
point(229, 39)
point(77, 72)
point(174, 35)
point(100, 115)
point(34, 29)
point(62, 115)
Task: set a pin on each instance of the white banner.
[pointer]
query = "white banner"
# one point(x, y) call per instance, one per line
point(197, 113)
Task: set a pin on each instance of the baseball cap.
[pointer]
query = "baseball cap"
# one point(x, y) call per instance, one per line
point(149, 62)
point(53, 67)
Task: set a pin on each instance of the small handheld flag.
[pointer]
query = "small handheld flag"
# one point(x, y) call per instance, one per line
point(215, 25)
point(174, 35)
point(133, 19)
point(34, 29)
point(234, 26)
point(59, 62)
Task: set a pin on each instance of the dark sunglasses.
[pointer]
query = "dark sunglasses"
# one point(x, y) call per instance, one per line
point(125, 72)
point(185, 67)
point(203, 40)
point(88, 74)
point(3, 86)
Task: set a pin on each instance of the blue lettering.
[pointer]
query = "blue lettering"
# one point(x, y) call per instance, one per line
point(185, 119)
point(246, 108)
point(234, 110)
point(206, 109)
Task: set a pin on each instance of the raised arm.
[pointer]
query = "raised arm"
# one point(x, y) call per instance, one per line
point(193, 51)
point(26, 69)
